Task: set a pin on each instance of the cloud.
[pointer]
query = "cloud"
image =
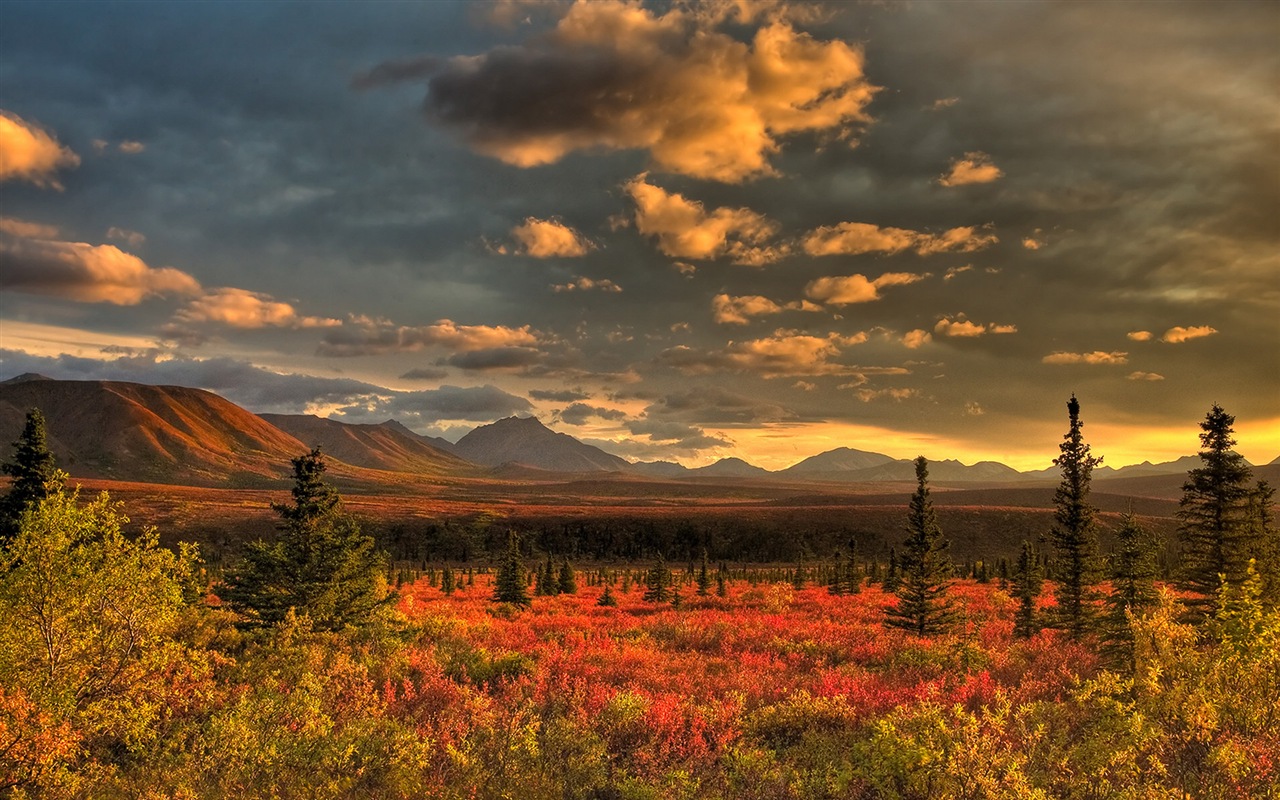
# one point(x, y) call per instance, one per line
point(954, 271)
point(785, 353)
point(844, 290)
point(973, 168)
point(474, 403)
point(685, 269)
point(86, 273)
point(857, 238)
point(1145, 376)
point(425, 374)
point(132, 238)
point(1096, 357)
point(973, 409)
point(868, 395)
point(558, 395)
point(1032, 244)
point(1179, 334)
point(728, 310)
point(29, 153)
point(684, 229)
point(1140, 336)
point(27, 230)
point(548, 238)
point(493, 358)
point(959, 326)
point(580, 414)
point(916, 338)
point(240, 308)
point(614, 75)
point(130, 147)
point(712, 405)
point(580, 284)
point(361, 336)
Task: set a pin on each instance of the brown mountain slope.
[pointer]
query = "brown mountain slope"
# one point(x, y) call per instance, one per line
point(161, 434)
point(382, 446)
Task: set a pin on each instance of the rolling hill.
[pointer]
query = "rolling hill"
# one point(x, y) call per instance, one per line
point(387, 446)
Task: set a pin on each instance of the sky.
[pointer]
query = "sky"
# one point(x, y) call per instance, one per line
point(679, 231)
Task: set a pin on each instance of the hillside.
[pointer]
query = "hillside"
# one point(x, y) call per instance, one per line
point(160, 434)
point(387, 446)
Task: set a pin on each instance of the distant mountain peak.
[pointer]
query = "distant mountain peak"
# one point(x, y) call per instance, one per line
point(27, 377)
point(525, 440)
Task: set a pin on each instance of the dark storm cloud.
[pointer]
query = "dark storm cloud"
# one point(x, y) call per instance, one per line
point(495, 358)
point(473, 403)
point(425, 374)
point(558, 395)
point(581, 413)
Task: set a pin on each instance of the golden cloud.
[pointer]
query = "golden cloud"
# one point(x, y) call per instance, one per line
point(86, 273)
point(581, 284)
point(549, 238)
point(916, 338)
point(365, 336)
point(848, 289)
point(973, 168)
point(614, 75)
point(1145, 376)
point(1179, 334)
point(684, 228)
point(1140, 336)
point(240, 308)
point(857, 238)
point(1096, 357)
point(785, 353)
point(728, 310)
point(27, 230)
point(28, 153)
point(959, 326)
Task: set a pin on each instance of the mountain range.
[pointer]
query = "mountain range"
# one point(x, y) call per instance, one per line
point(179, 435)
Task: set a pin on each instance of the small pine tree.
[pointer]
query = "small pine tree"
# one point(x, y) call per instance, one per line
point(657, 583)
point(322, 565)
point(447, 584)
point(509, 584)
point(835, 583)
point(34, 472)
point(1074, 533)
point(606, 597)
point(922, 606)
point(568, 582)
point(891, 578)
point(797, 577)
point(722, 586)
point(1025, 585)
point(704, 577)
point(852, 577)
point(1133, 576)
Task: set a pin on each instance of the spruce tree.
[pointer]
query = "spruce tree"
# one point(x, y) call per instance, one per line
point(835, 584)
point(922, 606)
point(1074, 534)
point(509, 584)
point(1133, 575)
point(891, 573)
point(567, 582)
point(1025, 585)
point(722, 586)
point(606, 597)
point(1214, 515)
point(1266, 537)
point(657, 583)
point(34, 472)
point(704, 577)
point(447, 583)
point(322, 565)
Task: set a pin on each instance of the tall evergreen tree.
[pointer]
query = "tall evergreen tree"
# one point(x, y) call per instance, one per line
point(34, 472)
point(891, 577)
point(1133, 589)
point(1214, 514)
point(835, 583)
point(1025, 587)
point(657, 582)
point(925, 567)
point(1074, 534)
point(509, 583)
point(1266, 536)
point(322, 565)
point(447, 583)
